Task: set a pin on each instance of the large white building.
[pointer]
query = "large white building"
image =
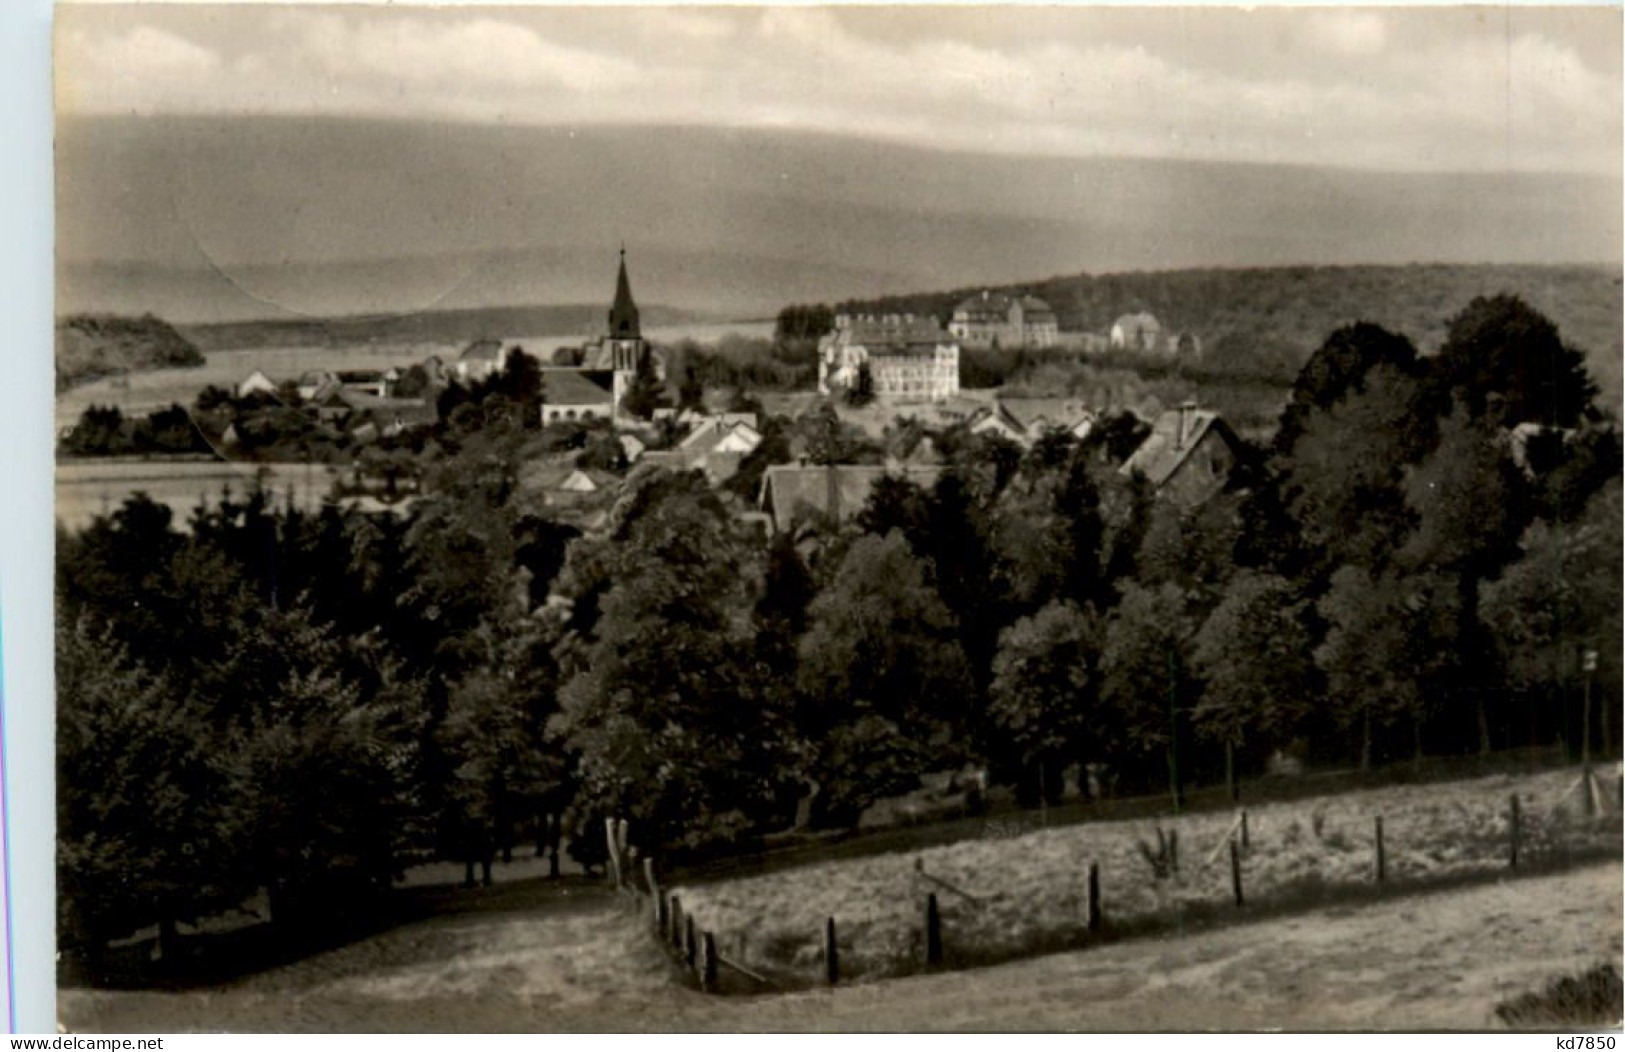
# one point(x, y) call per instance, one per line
point(909, 357)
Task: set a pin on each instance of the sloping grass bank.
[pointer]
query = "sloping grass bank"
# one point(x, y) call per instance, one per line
point(1007, 894)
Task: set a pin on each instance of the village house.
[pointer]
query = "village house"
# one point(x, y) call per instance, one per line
point(1000, 320)
point(256, 383)
point(1141, 331)
point(1036, 417)
point(715, 447)
point(379, 383)
point(481, 360)
point(909, 357)
point(833, 492)
point(1188, 456)
point(316, 384)
point(997, 420)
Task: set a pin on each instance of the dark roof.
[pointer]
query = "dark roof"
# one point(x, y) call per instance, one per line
point(999, 303)
point(623, 314)
point(1165, 449)
point(986, 303)
point(1055, 412)
point(895, 331)
point(838, 490)
point(573, 387)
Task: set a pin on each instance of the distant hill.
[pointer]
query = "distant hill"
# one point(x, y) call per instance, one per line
point(429, 326)
point(91, 346)
point(222, 219)
point(1298, 306)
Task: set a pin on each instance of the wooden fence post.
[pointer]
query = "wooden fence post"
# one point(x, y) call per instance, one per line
point(676, 922)
point(1235, 872)
point(933, 931)
point(649, 876)
point(612, 854)
point(1246, 840)
point(1512, 858)
point(622, 842)
point(832, 956)
point(1094, 896)
point(708, 966)
point(689, 948)
point(1382, 856)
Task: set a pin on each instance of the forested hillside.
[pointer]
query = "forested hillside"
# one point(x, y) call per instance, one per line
point(429, 326)
point(1296, 307)
point(90, 346)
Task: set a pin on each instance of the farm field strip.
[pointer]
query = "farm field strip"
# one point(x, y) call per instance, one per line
point(1029, 893)
point(85, 489)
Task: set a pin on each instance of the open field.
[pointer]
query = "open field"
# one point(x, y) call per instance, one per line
point(534, 957)
point(1013, 893)
point(87, 488)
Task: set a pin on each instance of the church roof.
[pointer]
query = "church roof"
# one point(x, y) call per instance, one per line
point(573, 387)
point(623, 314)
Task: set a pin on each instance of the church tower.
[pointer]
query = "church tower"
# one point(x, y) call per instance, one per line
point(625, 339)
point(624, 334)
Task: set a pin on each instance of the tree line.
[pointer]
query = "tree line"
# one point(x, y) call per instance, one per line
point(309, 703)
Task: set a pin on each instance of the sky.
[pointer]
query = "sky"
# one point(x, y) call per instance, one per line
point(1405, 89)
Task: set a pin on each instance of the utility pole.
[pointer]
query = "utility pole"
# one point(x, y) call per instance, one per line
point(1588, 664)
point(1173, 729)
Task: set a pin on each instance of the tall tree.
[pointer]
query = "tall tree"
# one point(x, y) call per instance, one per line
point(881, 656)
point(1254, 656)
point(1338, 369)
point(643, 395)
point(1468, 502)
point(1560, 598)
point(1341, 488)
point(1506, 361)
point(1038, 704)
point(666, 711)
point(1388, 638)
point(1147, 690)
point(145, 830)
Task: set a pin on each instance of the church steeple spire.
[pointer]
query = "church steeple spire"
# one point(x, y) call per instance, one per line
point(623, 315)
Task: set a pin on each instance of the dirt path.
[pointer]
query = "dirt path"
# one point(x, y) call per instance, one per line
point(1428, 961)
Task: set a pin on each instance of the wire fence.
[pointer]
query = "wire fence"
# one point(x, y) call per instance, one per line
point(995, 899)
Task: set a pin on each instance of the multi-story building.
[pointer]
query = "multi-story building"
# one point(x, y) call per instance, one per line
point(998, 319)
point(909, 357)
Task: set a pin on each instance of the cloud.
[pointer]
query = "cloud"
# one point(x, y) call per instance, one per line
point(1357, 88)
point(1346, 32)
point(473, 52)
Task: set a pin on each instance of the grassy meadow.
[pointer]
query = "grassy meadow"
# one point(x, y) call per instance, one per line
point(1004, 896)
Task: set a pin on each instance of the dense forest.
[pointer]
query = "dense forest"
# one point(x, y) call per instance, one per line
point(1290, 309)
point(307, 704)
